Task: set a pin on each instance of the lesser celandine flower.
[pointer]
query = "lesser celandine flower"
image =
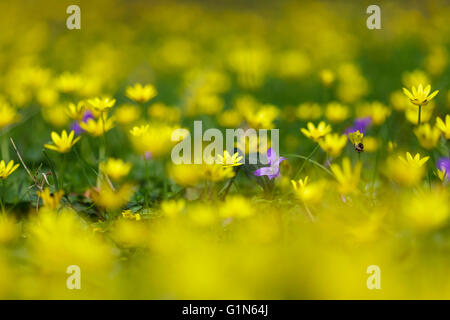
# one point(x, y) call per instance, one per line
point(76, 111)
point(116, 169)
point(428, 136)
point(236, 206)
point(346, 176)
point(229, 118)
point(403, 172)
point(420, 96)
point(186, 175)
point(309, 111)
point(51, 199)
point(141, 93)
point(109, 198)
point(262, 118)
point(216, 172)
point(101, 104)
point(8, 115)
point(336, 112)
point(173, 208)
point(159, 111)
point(416, 161)
point(229, 161)
point(316, 133)
point(127, 114)
point(63, 143)
point(310, 193)
point(7, 169)
point(356, 138)
point(377, 111)
point(444, 126)
point(69, 82)
point(370, 144)
point(426, 210)
point(333, 144)
point(326, 77)
point(97, 127)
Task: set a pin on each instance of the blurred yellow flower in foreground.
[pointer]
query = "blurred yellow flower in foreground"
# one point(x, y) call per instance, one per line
point(186, 175)
point(173, 208)
point(310, 193)
point(63, 143)
point(426, 210)
point(127, 214)
point(346, 176)
point(9, 230)
point(141, 93)
point(333, 144)
point(51, 199)
point(7, 169)
point(326, 77)
point(97, 127)
point(444, 126)
point(419, 95)
point(428, 136)
point(403, 172)
point(316, 133)
point(8, 115)
point(116, 169)
point(236, 206)
point(416, 161)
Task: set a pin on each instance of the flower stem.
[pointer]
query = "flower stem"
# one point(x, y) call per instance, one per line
point(63, 170)
point(230, 182)
point(418, 118)
point(306, 160)
point(3, 195)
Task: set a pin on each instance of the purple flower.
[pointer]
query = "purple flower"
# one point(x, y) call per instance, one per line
point(360, 125)
point(147, 155)
point(443, 164)
point(75, 126)
point(273, 170)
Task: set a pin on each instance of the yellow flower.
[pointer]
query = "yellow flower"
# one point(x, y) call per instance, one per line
point(116, 169)
point(428, 136)
point(403, 172)
point(376, 110)
point(236, 206)
point(420, 96)
point(316, 133)
point(97, 127)
point(76, 112)
point(186, 175)
point(262, 118)
point(326, 77)
point(444, 126)
point(426, 211)
point(411, 113)
point(309, 111)
point(101, 104)
point(141, 93)
point(62, 143)
point(416, 161)
point(109, 198)
point(172, 208)
point(51, 200)
point(127, 214)
point(333, 144)
point(309, 193)
point(216, 172)
point(370, 144)
point(346, 176)
point(7, 169)
point(336, 112)
point(229, 161)
point(399, 101)
point(161, 112)
point(356, 137)
point(126, 114)
point(442, 175)
point(8, 115)
point(229, 118)
point(69, 83)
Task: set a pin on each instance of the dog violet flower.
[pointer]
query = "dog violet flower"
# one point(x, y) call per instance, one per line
point(443, 166)
point(273, 170)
